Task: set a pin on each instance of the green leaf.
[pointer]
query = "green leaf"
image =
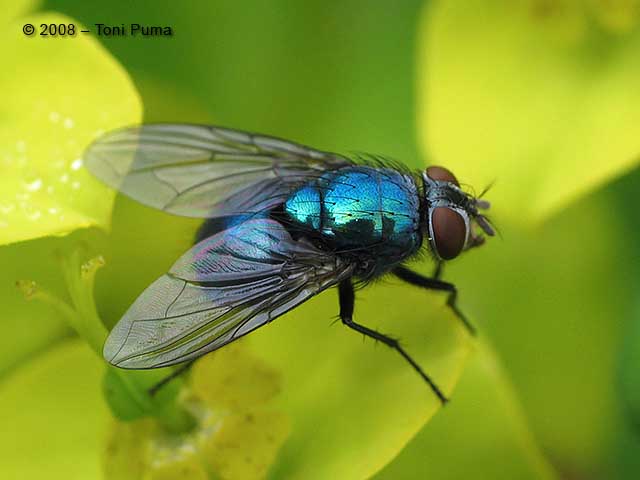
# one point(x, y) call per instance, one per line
point(542, 100)
point(482, 431)
point(64, 92)
point(54, 419)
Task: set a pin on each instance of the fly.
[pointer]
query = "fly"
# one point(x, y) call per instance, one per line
point(284, 222)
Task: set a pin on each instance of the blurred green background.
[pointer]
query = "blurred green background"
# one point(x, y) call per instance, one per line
point(539, 95)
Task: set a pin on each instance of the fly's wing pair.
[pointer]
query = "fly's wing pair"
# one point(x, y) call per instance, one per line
point(236, 280)
point(204, 171)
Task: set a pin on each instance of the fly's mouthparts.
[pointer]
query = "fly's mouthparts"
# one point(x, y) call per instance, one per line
point(476, 241)
point(484, 224)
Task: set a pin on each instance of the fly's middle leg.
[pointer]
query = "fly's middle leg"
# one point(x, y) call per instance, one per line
point(414, 278)
point(347, 303)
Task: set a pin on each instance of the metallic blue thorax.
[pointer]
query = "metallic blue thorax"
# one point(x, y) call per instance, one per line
point(361, 209)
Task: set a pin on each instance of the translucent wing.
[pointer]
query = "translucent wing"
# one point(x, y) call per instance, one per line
point(204, 171)
point(223, 288)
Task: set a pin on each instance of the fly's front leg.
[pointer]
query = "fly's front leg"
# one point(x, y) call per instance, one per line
point(414, 278)
point(347, 302)
point(437, 272)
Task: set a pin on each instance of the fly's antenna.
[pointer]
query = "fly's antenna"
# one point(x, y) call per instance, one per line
point(487, 188)
point(481, 219)
point(481, 204)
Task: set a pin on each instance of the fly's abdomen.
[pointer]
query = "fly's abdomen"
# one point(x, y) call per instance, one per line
point(361, 208)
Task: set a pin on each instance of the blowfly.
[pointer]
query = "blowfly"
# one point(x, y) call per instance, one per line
point(283, 223)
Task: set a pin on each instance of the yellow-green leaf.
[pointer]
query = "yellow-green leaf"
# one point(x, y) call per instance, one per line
point(29, 325)
point(540, 99)
point(237, 434)
point(63, 92)
point(355, 404)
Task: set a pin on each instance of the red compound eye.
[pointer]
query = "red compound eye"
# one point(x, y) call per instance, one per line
point(441, 173)
point(449, 232)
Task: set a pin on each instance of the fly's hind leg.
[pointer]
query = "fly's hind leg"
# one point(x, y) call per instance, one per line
point(414, 278)
point(347, 301)
point(171, 376)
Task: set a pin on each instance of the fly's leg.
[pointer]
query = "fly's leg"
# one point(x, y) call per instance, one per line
point(437, 272)
point(175, 374)
point(414, 278)
point(347, 301)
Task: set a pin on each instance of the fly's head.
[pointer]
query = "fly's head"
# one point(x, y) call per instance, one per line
point(452, 216)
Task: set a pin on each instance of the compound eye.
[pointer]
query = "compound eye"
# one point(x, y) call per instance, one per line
point(449, 232)
point(442, 174)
